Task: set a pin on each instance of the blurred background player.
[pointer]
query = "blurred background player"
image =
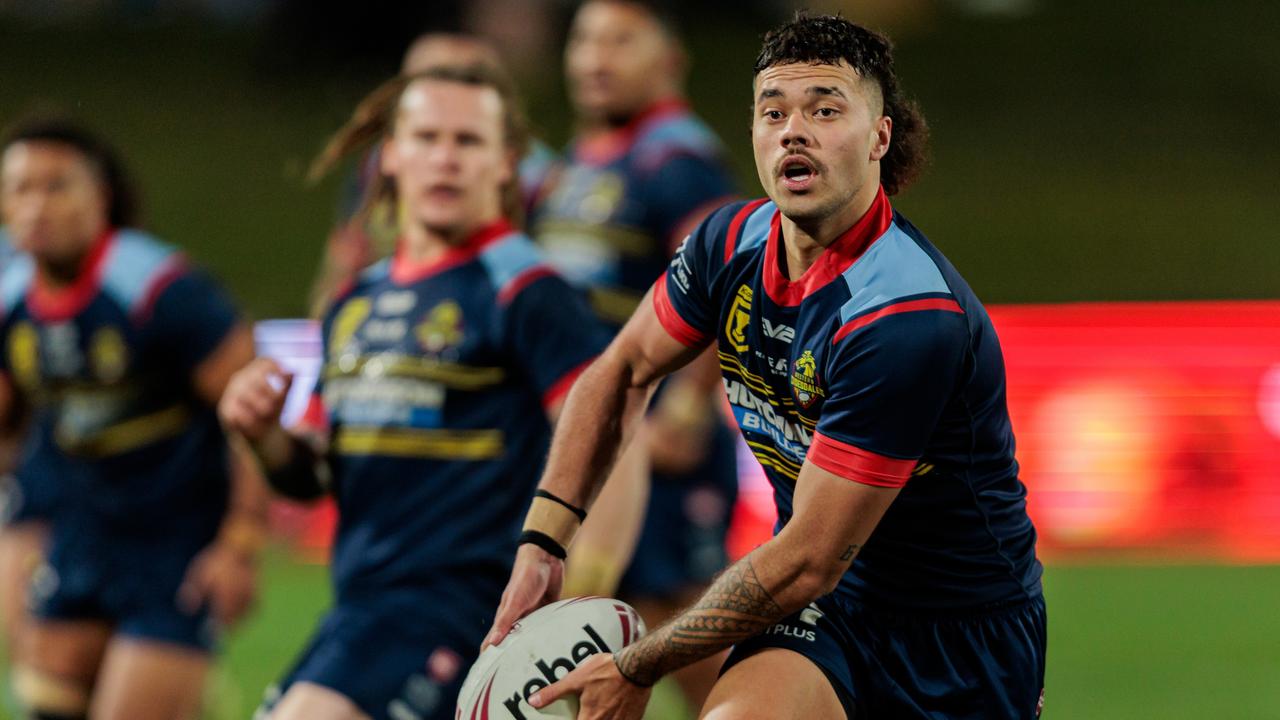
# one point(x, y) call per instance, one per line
point(366, 232)
point(119, 352)
point(444, 365)
point(641, 172)
point(24, 518)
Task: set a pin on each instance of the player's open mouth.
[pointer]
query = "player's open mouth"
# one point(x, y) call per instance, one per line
point(797, 173)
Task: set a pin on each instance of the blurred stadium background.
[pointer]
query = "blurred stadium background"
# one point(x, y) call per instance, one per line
point(1104, 175)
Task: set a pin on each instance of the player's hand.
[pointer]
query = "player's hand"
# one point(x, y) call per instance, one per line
point(603, 694)
point(223, 578)
point(254, 398)
point(535, 581)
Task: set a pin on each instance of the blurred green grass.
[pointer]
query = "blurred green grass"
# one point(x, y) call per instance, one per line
point(1135, 641)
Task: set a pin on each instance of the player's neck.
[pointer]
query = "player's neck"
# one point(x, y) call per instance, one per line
point(805, 239)
point(423, 244)
point(57, 274)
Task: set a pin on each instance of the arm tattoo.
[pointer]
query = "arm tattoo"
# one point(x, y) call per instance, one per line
point(734, 608)
point(849, 552)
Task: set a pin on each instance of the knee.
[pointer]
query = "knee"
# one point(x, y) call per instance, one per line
point(45, 696)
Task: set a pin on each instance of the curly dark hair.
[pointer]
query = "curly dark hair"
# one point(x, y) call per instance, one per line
point(122, 209)
point(830, 40)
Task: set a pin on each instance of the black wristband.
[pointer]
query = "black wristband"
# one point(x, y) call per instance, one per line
point(625, 676)
point(544, 541)
point(582, 514)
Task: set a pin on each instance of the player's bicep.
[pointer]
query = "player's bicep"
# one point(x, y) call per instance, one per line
point(833, 517)
point(211, 375)
point(648, 347)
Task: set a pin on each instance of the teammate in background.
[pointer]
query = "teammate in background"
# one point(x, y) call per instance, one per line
point(639, 176)
point(442, 368)
point(23, 518)
point(367, 232)
point(902, 581)
point(119, 351)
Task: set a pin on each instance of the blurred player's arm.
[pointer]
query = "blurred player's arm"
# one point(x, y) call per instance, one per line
point(293, 463)
point(602, 410)
point(224, 575)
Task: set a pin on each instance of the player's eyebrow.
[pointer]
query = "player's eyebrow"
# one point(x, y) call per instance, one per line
point(770, 93)
point(827, 90)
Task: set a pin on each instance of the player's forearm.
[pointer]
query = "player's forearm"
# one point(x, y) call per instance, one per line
point(749, 597)
point(292, 465)
point(598, 417)
point(244, 526)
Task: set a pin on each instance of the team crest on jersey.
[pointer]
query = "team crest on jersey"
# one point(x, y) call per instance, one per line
point(739, 318)
point(108, 355)
point(24, 354)
point(442, 328)
point(804, 380)
point(602, 198)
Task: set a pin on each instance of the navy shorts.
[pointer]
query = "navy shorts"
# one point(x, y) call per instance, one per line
point(682, 543)
point(129, 582)
point(398, 654)
point(24, 499)
point(985, 665)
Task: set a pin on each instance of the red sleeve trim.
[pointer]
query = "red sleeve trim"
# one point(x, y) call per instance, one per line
point(316, 417)
point(522, 281)
point(944, 304)
point(561, 387)
point(681, 331)
point(860, 466)
point(176, 269)
point(735, 227)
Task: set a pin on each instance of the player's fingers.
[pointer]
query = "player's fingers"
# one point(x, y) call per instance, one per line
point(570, 684)
point(502, 623)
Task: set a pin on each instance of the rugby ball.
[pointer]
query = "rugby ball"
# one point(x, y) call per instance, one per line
point(541, 648)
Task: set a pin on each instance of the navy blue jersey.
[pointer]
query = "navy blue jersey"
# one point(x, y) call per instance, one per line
point(107, 365)
point(434, 390)
point(879, 365)
point(624, 200)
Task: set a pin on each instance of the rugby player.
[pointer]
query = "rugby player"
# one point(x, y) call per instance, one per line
point(120, 351)
point(902, 580)
point(443, 365)
point(640, 174)
point(367, 232)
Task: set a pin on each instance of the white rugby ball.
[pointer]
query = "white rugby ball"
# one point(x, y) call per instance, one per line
point(544, 647)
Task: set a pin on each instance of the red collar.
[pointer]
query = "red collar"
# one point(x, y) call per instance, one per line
point(405, 271)
point(57, 304)
point(833, 261)
point(606, 146)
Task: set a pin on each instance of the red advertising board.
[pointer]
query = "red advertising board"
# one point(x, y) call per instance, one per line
point(1144, 429)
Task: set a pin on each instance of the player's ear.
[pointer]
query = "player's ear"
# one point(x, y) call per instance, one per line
point(883, 130)
point(511, 161)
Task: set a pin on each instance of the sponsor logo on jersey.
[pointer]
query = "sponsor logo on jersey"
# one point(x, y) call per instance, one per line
point(735, 328)
point(442, 328)
point(396, 302)
point(757, 414)
point(804, 380)
point(553, 669)
point(24, 354)
point(795, 632)
point(108, 356)
point(385, 332)
point(785, 333)
point(811, 615)
point(345, 324)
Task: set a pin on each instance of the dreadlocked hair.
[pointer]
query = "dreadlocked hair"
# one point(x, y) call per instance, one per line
point(830, 40)
point(373, 120)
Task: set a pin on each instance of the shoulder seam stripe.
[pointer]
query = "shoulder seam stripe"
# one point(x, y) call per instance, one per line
point(735, 226)
point(521, 281)
point(943, 304)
